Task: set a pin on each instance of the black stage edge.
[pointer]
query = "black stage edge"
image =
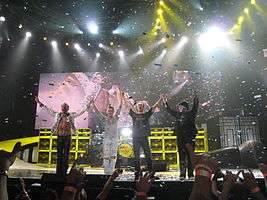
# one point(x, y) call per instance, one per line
point(171, 190)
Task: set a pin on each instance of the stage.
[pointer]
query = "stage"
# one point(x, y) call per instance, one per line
point(33, 171)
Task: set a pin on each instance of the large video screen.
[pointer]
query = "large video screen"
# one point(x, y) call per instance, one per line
point(78, 89)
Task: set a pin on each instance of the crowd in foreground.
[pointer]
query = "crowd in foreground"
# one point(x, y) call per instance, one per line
point(204, 188)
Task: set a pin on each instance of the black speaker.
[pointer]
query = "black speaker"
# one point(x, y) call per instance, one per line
point(252, 153)
point(160, 166)
point(227, 157)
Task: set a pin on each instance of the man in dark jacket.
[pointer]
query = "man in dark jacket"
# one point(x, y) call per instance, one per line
point(186, 131)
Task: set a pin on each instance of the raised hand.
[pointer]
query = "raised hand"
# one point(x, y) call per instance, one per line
point(143, 184)
point(249, 180)
point(7, 158)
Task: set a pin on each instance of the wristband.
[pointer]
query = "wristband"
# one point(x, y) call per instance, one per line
point(205, 167)
point(202, 172)
point(70, 189)
point(141, 194)
point(255, 190)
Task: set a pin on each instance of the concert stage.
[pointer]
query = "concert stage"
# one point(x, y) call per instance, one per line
point(33, 171)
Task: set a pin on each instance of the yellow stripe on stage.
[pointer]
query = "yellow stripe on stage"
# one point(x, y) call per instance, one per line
point(8, 145)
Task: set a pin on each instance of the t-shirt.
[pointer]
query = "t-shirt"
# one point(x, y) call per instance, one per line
point(141, 126)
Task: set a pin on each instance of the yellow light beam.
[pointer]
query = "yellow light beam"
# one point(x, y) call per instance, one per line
point(174, 17)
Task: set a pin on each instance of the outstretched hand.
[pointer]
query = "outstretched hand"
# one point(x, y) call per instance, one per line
point(143, 184)
point(7, 158)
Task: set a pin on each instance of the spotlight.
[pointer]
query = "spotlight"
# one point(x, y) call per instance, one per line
point(89, 44)
point(158, 20)
point(121, 53)
point(163, 40)
point(160, 11)
point(111, 43)
point(126, 132)
point(240, 20)
point(184, 39)
point(100, 45)
point(246, 10)
point(67, 44)
point(44, 38)
point(140, 51)
point(20, 26)
point(213, 38)
point(2, 19)
point(77, 46)
point(93, 28)
point(161, 2)
point(54, 43)
point(115, 32)
point(253, 2)
point(97, 54)
point(28, 34)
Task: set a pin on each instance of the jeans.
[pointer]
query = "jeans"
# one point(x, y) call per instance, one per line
point(139, 142)
point(63, 149)
point(184, 157)
point(110, 148)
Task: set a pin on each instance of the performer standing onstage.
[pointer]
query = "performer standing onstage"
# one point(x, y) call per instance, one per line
point(110, 143)
point(141, 130)
point(63, 127)
point(186, 131)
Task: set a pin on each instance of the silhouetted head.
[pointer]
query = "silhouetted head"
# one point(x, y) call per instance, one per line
point(65, 108)
point(183, 107)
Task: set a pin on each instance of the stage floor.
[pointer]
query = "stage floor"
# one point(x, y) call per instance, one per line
point(33, 171)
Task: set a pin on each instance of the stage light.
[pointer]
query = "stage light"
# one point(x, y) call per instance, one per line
point(97, 54)
point(20, 26)
point(163, 40)
point(100, 45)
point(77, 46)
point(44, 38)
point(93, 28)
point(67, 44)
point(161, 2)
point(158, 20)
point(89, 44)
point(121, 53)
point(28, 34)
point(240, 20)
point(54, 43)
point(2, 19)
point(213, 38)
point(246, 10)
point(140, 51)
point(160, 11)
point(80, 32)
point(111, 43)
point(253, 2)
point(126, 132)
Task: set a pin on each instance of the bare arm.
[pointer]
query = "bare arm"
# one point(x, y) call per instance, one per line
point(157, 103)
point(45, 108)
point(83, 110)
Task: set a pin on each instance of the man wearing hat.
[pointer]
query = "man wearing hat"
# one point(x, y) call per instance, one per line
point(186, 131)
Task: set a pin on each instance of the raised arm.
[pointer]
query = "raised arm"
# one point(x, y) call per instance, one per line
point(83, 110)
point(120, 97)
point(157, 103)
point(195, 106)
point(169, 110)
point(45, 108)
